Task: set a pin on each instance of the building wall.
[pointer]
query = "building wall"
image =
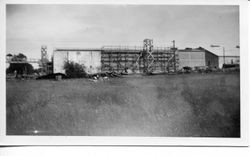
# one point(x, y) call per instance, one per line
point(212, 60)
point(191, 58)
point(229, 60)
point(90, 59)
point(59, 58)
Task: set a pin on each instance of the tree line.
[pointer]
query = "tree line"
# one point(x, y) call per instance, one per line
point(19, 68)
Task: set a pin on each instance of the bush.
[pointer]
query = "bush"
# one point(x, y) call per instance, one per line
point(20, 68)
point(74, 70)
point(187, 69)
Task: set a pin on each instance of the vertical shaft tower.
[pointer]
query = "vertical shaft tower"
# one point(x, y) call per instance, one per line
point(147, 55)
point(44, 58)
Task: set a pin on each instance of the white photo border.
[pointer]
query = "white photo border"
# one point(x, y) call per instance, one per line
point(132, 141)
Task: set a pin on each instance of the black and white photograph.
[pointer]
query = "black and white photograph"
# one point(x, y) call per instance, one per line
point(124, 70)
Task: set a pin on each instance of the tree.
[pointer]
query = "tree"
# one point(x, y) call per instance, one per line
point(74, 70)
point(20, 68)
point(19, 57)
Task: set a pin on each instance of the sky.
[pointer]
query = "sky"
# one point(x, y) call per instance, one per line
point(29, 26)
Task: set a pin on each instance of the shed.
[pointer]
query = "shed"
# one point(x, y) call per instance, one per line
point(229, 59)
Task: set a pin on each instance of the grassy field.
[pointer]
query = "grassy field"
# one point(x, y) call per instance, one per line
point(202, 105)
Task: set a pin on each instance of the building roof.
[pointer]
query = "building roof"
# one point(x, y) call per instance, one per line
point(77, 49)
point(134, 49)
point(200, 49)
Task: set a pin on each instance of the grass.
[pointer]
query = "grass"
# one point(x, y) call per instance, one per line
point(188, 105)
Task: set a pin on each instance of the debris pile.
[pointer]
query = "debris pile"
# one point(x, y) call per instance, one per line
point(103, 76)
point(52, 76)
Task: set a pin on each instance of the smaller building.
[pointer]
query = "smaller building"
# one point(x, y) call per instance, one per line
point(228, 60)
point(197, 57)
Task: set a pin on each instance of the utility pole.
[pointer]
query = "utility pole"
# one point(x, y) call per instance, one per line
point(223, 55)
point(173, 43)
point(174, 55)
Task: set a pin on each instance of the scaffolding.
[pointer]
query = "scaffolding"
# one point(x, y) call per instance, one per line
point(139, 59)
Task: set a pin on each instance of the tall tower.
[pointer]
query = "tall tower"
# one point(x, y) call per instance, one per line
point(176, 57)
point(44, 58)
point(147, 55)
point(44, 54)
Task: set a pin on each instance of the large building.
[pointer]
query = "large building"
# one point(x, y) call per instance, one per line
point(135, 59)
point(198, 57)
point(119, 59)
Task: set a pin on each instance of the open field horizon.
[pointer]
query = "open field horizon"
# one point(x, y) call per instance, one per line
point(188, 105)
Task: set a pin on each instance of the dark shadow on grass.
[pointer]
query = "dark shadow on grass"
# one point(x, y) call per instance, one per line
point(216, 111)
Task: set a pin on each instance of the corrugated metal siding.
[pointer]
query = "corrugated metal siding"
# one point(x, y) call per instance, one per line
point(59, 59)
point(90, 59)
point(212, 60)
point(191, 59)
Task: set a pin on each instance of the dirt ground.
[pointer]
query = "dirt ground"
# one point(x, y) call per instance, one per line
point(190, 105)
